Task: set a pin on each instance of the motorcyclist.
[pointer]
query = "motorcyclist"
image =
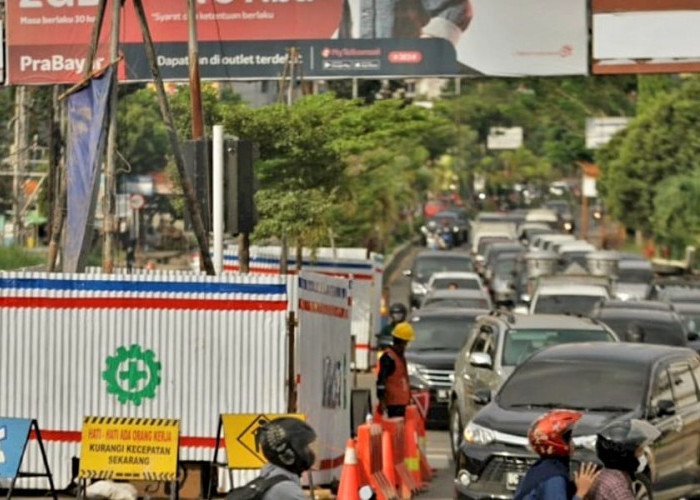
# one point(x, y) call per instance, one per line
point(393, 383)
point(620, 446)
point(286, 444)
point(397, 314)
point(548, 478)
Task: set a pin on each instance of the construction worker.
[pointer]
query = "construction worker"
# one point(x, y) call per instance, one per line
point(393, 384)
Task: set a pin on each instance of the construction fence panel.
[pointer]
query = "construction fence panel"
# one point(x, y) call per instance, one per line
point(152, 346)
point(366, 272)
point(323, 367)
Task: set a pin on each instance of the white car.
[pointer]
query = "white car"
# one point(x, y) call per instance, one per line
point(455, 280)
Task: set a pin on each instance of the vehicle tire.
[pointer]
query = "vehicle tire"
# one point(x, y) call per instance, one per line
point(455, 429)
point(642, 488)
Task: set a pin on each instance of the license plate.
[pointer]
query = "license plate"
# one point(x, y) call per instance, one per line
point(443, 395)
point(513, 480)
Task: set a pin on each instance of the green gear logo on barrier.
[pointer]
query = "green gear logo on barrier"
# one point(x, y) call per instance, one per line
point(132, 374)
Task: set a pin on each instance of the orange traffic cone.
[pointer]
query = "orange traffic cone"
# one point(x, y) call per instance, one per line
point(349, 488)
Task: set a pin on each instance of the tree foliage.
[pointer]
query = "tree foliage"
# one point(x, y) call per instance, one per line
point(662, 142)
point(676, 218)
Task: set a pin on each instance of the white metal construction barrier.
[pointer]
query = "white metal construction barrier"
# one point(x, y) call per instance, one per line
point(182, 347)
point(365, 272)
point(323, 367)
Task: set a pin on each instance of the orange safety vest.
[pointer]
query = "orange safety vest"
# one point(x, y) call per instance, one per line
point(398, 385)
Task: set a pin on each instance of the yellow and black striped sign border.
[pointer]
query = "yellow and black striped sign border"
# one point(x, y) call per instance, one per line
point(153, 422)
point(150, 476)
point(145, 476)
point(96, 474)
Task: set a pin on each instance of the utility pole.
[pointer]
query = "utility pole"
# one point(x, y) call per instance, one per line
point(108, 203)
point(19, 160)
point(187, 187)
point(195, 82)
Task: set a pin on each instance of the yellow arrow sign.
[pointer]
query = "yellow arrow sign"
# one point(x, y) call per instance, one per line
point(240, 431)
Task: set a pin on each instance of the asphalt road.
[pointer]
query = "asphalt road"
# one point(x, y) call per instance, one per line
point(439, 454)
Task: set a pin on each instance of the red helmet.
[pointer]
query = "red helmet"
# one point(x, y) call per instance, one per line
point(548, 435)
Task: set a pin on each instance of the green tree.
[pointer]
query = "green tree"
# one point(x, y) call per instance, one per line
point(661, 142)
point(142, 137)
point(676, 218)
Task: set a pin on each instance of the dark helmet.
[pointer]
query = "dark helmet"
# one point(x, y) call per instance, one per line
point(617, 444)
point(398, 312)
point(285, 442)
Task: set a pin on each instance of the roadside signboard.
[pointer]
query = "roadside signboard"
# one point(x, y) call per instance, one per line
point(240, 432)
point(143, 449)
point(249, 40)
point(14, 434)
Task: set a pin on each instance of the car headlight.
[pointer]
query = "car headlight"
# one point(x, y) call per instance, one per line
point(414, 369)
point(476, 434)
point(568, 226)
point(455, 229)
point(623, 296)
point(418, 288)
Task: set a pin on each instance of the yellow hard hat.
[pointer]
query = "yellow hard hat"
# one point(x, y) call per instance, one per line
point(404, 331)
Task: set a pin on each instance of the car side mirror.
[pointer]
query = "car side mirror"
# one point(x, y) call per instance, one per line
point(481, 360)
point(693, 336)
point(665, 407)
point(482, 397)
point(407, 272)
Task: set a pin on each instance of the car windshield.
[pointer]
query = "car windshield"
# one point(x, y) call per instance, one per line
point(425, 267)
point(566, 304)
point(654, 332)
point(519, 344)
point(634, 275)
point(456, 283)
point(458, 303)
point(443, 333)
point(584, 385)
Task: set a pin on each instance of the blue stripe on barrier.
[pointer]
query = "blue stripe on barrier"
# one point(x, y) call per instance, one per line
point(141, 286)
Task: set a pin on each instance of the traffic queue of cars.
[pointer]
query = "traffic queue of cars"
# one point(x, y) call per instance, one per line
point(523, 318)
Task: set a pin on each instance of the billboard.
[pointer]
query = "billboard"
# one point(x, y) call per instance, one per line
point(646, 36)
point(248, 40)
point(599, 131)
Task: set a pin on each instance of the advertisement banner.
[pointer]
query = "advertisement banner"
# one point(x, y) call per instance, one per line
point(336, 38)
point(87, 116)
point(646, 36)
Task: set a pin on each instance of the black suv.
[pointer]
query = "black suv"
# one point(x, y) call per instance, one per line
point(660, 384)
point(440, 334)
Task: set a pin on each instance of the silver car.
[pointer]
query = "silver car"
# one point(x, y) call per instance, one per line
point(500, 342)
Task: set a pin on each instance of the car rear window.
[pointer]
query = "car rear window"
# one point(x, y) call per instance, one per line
point(653, 332)
point(441, 333)
point(519, 344)
point(459, 303)
point(427, 266)
point(459, 283)
point(566, 304)
point(583, 385)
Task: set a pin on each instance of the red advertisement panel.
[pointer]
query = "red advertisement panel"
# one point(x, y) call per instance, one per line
point(48, 39)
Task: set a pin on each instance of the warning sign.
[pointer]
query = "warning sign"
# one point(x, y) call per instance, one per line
point(240, 432)
point(14, 433)
point(129, 448)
